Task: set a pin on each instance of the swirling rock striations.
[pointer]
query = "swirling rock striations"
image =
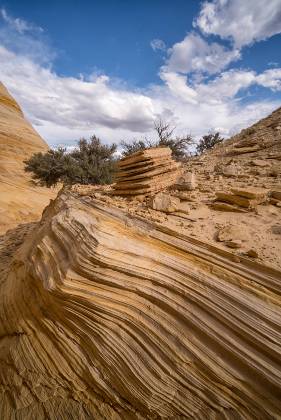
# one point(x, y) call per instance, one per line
point(106, 316)
point(19, 200)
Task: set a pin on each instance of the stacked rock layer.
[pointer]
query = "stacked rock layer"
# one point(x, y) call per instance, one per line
point(105, 316)
point(147, 171)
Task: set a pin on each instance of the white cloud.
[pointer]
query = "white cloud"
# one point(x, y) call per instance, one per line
point(194, 54)
point(177, 84)
point(71, 102)
point(20, 25)
point(158, 44)
point(222, 89)
point(270, 79)
point(25, 39)
point(227, 85)
point(242, 21)
point(66, 108)
point(63, 109)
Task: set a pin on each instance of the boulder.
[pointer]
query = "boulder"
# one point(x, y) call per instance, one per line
point(230, 171)
point(274, 171)
point(187, 182)
point(226, 207)
point(259, 194)
point(164, 202)
point(235, 199)
point(276, 194)
point(276, 229)
point(236, 243)
point(183, 195)
point(252, 253)
point(260, 163)
point(230, 233)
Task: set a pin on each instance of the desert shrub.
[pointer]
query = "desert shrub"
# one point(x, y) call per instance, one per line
point(96, 160)
point(179, 145)
point(129, 148)
point(90, 163)
point(208, 141)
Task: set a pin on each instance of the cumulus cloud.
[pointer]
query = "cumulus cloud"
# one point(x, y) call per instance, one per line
point(194, 54)
point(158, 44)
point(227, 85)
point(177, 85)
point(66, 108)
point(222, 88)
point(63, 109)
point(270, 79)
point(241, 21)
point(77, 103)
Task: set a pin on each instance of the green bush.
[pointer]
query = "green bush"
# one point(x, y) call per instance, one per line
point(90, 163)
point(208, 141)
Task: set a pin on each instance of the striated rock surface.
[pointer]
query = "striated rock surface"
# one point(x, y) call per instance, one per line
point(19, 199)
point(145, 172)
point(104, 315)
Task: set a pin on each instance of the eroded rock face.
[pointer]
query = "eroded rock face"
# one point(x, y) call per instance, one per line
point(146, 172)
point(20, 201)
point(106, 316)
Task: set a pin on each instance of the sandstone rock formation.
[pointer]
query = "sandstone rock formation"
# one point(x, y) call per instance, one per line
point(104, 315)
point(127, 303)
point(20, 201)
point(146, 172)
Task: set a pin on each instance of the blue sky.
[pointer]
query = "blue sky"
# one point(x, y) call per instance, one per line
point(114, 67)
point(109, 36)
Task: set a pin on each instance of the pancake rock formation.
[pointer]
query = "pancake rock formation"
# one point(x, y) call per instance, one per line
point(104, 315)
point(19, 200)
point(146, 172)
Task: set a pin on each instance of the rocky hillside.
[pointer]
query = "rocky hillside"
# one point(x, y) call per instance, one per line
point(20, 200)
point(256, 149)
point(238, 188)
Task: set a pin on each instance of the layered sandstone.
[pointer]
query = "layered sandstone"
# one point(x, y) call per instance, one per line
point(129, 303)
point(105, 315)
point(145, 172)
point(20, 201)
